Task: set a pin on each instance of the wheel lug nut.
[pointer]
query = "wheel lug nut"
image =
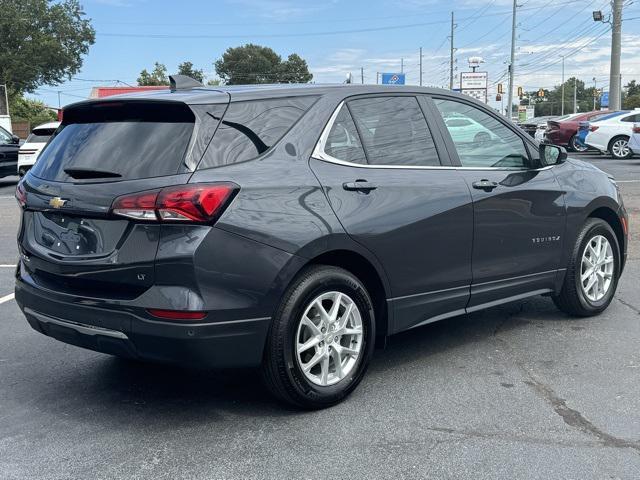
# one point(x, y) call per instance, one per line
point(323, 330)
point(336, 338)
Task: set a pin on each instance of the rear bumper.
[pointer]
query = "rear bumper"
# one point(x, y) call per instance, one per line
point(236, 343)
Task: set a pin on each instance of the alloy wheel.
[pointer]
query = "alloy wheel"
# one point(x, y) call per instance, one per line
point(329, 338)
point(620, 148)
point(596, 272)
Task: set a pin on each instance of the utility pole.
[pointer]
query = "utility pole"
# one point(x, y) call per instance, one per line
point(58, 99)
point(451, 56)
point(362, 75)
point(575, 93)
point(615, 100)
point(562, 102)
point(420, 66)
point(402, 65)
point(377, 78)
point(595, 92)
point(512, 61)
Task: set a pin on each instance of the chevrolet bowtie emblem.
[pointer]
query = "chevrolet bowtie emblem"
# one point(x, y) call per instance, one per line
point(57, 202)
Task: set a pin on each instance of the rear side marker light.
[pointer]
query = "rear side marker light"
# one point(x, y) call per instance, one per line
point(177, 314)
point(636, 128)
point(21, 195)
point(196, 202)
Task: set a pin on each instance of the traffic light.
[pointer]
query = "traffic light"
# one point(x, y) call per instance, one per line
point(520, 92)
point(541, 93)
point(500, 91)
point(498, 97)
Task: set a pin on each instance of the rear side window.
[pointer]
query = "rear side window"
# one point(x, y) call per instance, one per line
point(394, 131)
point(41, 135)
point(132, 139)
point(631, 118)
point(343, 142)
point(250, 128)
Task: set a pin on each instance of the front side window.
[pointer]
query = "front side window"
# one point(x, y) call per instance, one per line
point(480, 139)
point(393, 131)
point(250, 128)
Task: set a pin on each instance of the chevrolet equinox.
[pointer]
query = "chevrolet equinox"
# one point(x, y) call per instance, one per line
point(294, 227)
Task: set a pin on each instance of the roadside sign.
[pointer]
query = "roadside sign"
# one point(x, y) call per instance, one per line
point(474, 84)
point(525, 112)
point(393, 78)
point(604, 99)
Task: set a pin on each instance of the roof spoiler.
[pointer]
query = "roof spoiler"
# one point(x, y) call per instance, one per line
point(182, 82)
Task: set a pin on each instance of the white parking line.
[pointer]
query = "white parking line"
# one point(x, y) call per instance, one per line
point(627, 181)
point(7, 265)
point(6, 298)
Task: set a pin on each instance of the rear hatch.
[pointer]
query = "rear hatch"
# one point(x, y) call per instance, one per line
point(70, 240)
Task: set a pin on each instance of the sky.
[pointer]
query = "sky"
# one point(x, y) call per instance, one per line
point(337, 37)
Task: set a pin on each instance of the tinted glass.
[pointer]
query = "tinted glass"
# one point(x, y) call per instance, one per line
point(393, 131)
point(484, 141)
point(40, 136)
point(631, 118)
point(343, 142)
point(5, 137)
point(250, 128)
point(133, 140)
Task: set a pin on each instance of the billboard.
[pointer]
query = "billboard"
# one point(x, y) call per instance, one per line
point(604, 99)
point(475, 85)
point(393, 78)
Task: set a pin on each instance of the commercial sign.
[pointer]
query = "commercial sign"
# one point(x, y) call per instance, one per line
point(525, 112)
point(393, 78)
point(475, 85)
point(604, 99)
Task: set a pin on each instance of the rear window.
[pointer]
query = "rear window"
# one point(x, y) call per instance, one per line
point(133, 139)
point(40, 135)
point(250, 128)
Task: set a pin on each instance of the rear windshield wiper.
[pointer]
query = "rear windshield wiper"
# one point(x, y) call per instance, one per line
point(80, 173)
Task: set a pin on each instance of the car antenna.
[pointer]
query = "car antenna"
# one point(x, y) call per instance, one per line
point(183, 82)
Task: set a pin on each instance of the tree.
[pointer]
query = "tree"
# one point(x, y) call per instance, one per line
point(295, 70)
point(158, 76)
point(186, 68)
point(42, 43)
point(33, 111)
point(551, 103)
point(250, 64)
point(632, 88)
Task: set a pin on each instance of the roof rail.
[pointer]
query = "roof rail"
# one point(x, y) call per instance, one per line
point(182, 82)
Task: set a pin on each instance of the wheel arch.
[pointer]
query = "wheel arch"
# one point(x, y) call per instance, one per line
point(610, 216)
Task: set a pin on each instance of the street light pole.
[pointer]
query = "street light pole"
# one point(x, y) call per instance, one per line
point(595, 92)
point(615, 99)
point(512, 61)
point(575, 95)
point(420, 66)
point(451, 56)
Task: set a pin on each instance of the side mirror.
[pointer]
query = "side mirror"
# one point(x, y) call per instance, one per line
point(552, 154)
point(15, 139)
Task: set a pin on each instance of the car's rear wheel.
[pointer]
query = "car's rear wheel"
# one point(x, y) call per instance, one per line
point(321, 339)
point(592, 275)
point(619, 147)
point(575, 146)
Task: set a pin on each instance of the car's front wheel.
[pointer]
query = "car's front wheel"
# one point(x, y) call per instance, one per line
point(592, 275)
point(619, 148)
point(321, 338)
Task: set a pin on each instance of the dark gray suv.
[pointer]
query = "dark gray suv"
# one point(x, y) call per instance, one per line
point(296, 227)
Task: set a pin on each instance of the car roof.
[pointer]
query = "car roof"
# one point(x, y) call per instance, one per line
point(208, 95)
point(47, 125)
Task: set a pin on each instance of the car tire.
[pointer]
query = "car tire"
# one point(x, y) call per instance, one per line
point(575, 297)
point(286, 367)
point(574, 146)
point(619, 147)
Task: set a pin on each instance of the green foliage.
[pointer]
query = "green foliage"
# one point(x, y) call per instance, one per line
point(251, 64)
point(186, 68)
point(41, 42)
point(631, 101)
point(158, 76)
point(551, 103)
point(214, 82)
point(33, 111)
point(632, 88)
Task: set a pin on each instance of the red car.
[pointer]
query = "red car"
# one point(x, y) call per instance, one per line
point(564, 132)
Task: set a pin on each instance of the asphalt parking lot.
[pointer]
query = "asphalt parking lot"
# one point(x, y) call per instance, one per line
point(519, 391)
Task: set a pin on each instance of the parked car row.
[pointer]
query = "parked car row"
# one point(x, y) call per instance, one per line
point(18, 158)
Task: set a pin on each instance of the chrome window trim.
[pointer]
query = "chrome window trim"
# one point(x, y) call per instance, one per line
point(319, 154)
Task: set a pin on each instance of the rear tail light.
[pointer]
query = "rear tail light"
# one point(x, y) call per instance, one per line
point(177, 314)
point(196, 202)
point(593, 128)
point(636, 128)
point(21, 195)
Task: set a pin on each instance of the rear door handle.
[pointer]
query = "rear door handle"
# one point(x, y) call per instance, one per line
point(359, 186)
point(484, 184)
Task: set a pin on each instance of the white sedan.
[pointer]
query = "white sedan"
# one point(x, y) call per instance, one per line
point(31, 148)
point(612, 134)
